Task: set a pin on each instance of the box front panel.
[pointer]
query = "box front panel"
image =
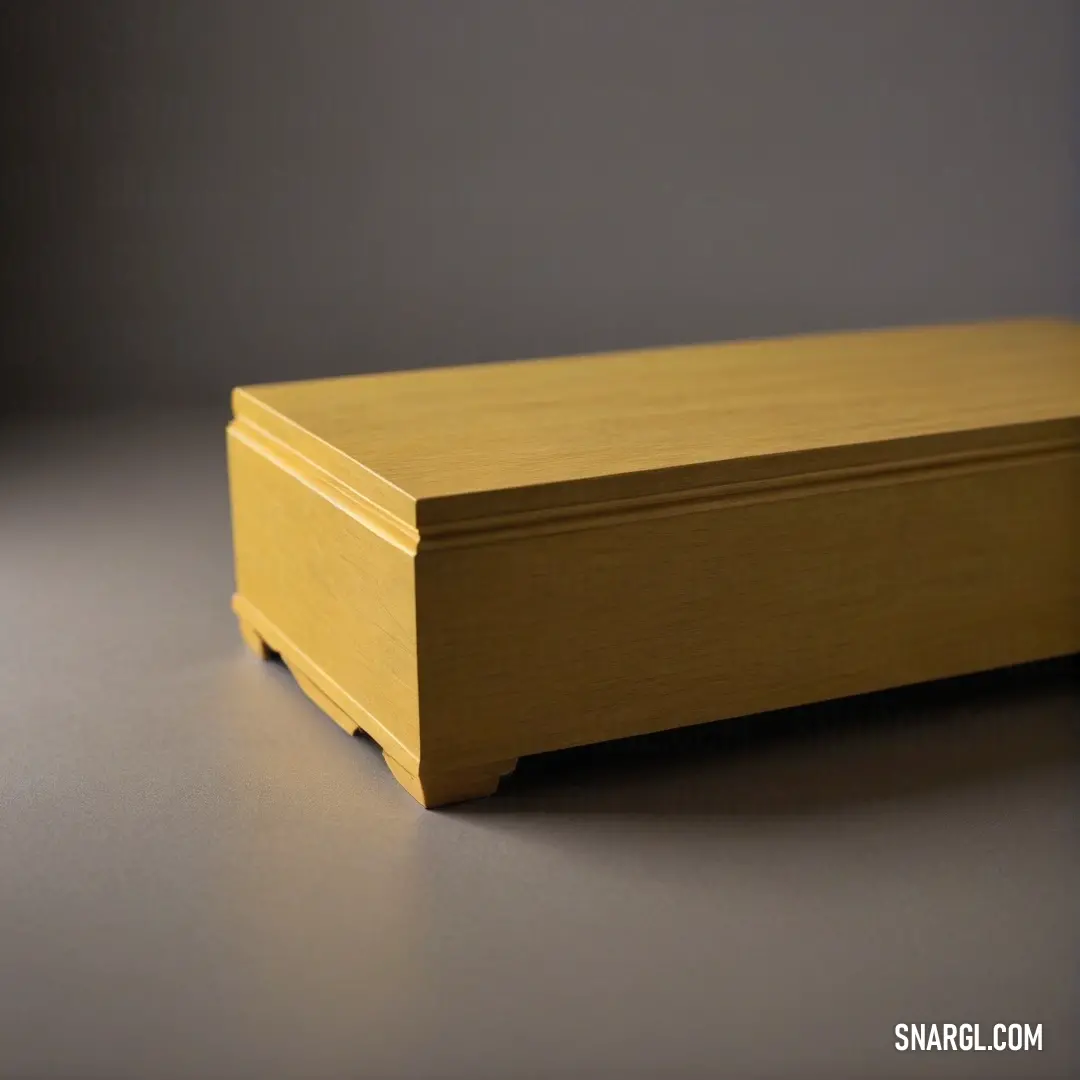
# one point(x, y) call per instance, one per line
point(341, 594)
point(552, 639)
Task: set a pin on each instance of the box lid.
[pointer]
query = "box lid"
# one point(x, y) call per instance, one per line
point(450, 447)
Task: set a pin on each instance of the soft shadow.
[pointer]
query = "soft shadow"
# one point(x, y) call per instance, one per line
point(830, 757)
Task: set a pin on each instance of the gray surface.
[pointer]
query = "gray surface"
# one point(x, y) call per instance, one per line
point(202, 876)
point(195, 194)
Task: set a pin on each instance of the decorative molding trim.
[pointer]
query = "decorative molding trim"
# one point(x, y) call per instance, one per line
point(482, 530)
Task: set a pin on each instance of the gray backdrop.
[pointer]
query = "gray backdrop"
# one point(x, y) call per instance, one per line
point(200, 875)
point(200, 194)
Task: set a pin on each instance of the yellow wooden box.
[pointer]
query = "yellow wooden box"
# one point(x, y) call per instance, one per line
point(474, 564)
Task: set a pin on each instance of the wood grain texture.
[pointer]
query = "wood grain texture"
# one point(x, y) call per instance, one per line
point(476, 564)
point(748, 606)
point(480, 441)
point(326, 592)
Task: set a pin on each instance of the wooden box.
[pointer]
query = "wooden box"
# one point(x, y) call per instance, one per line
point(474, 564)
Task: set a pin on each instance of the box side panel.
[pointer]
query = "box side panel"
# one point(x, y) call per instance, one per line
point(340, 594)
point(548, 640)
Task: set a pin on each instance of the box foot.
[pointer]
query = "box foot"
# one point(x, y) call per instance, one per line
point(257, 644)
point(337, 714)
point(253, 639)
point(434, 788)
point(429, 786)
